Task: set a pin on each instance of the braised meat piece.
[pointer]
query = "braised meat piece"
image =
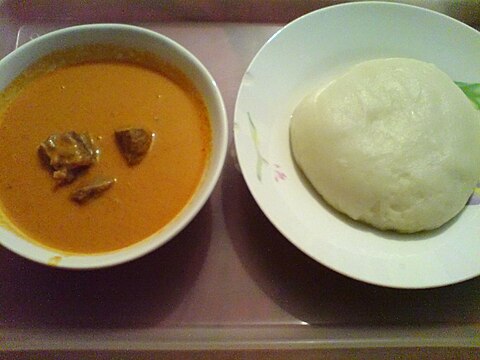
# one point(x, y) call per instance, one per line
point(68, 154)
point(92, 190)
point(133, 143)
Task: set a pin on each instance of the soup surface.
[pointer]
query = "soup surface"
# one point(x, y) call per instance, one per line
point(97, 97)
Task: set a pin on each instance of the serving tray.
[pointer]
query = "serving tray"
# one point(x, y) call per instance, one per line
point(230, 280)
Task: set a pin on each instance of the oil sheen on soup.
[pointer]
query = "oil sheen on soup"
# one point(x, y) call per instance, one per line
point(98, 90)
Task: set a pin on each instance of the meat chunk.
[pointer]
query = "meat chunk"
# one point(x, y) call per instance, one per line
point(92, 190)
point(133, 143)
point(68, 154)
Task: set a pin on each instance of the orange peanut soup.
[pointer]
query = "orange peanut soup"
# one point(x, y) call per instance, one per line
point(97, 90)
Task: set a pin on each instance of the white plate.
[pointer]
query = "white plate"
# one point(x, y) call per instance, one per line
point(309, 52)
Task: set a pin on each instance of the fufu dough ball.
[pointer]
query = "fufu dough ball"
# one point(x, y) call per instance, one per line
point(393, 143)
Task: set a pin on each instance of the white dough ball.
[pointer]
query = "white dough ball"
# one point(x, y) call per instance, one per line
point(393, 143)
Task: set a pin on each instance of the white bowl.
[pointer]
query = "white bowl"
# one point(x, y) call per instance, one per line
point(307, 53)
point(171, 52)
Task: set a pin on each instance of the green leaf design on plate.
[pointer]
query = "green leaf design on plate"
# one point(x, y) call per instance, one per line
point(472, 91)
point(256, 141)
